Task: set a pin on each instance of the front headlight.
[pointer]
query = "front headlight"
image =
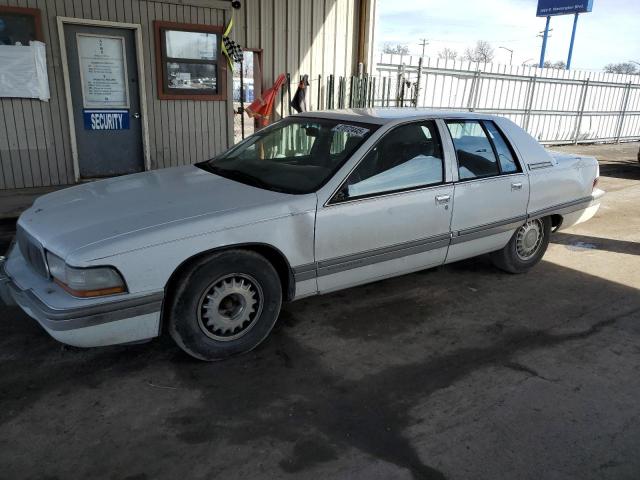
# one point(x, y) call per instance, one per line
point(85, 282)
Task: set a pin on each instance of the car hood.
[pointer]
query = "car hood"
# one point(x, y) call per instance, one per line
point(108, 210)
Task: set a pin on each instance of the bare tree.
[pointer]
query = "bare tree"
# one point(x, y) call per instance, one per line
point(559, 65)
point(395, 48)
point(482, 53)
point(624, 67)
point(447, 54)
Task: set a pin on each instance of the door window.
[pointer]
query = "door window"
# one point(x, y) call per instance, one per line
point(481, 149)
point(505, 154)
point(408, 157)
point(476, 158)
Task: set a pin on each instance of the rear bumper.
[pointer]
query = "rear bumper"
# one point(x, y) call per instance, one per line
point(583, 212)
point(573, 212)
point(109, 323)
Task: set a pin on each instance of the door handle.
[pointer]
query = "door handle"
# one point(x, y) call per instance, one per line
point(516, 186)
point(442, 199)
point(136, 115)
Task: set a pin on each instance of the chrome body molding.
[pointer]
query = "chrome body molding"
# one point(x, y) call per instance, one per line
point(305, 272)
point(563, 208)
point(340, 264)
point(369, 257)
point(488, 230)
point(539, 165)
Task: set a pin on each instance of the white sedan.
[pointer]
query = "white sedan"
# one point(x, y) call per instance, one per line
point(315, 203)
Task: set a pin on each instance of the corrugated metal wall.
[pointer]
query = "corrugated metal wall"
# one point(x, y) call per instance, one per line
point(313, 37)
point(298, 36)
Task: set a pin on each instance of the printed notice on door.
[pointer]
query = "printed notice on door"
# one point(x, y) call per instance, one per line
point(103, 71)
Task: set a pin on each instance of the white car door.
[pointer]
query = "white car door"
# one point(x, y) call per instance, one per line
point(491, 193)
point(392, 213)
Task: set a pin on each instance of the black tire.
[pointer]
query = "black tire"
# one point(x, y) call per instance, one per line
point(509, 260)
point(207, 282)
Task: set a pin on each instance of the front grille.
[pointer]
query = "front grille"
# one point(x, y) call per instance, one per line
point(32, 251)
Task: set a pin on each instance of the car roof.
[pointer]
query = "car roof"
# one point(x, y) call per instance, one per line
point(383, 116)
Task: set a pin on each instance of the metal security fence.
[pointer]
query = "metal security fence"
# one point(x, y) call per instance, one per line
point(554, 106)
point(553, 109)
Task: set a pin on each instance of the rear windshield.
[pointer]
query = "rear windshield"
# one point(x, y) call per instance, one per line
point(295, 155)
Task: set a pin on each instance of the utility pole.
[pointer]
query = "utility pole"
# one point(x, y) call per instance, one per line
point(424, 42)
point(545, 35)
point(510, 54)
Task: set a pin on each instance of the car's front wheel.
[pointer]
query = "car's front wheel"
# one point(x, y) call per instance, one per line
point(526, 247)
point(224, 305)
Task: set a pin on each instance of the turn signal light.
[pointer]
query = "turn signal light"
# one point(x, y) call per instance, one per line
point(90, 293)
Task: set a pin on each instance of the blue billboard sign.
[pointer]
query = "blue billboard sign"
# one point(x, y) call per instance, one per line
point(547, 8)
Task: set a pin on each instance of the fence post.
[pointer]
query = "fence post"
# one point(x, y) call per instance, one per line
point(583, 101)
point(623, 111)
point(472, 93)
point(241, 110)
point(372, 98)
point(399, 83)
point(417, 93)
point(529, 106)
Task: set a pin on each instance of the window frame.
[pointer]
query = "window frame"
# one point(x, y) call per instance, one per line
point(333, 200)
point(482, 122)
point(32, 12)
point(167, 93)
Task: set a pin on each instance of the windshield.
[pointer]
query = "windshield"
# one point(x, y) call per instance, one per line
point(295, 155)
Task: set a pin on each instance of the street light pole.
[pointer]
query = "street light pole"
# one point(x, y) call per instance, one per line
point(510, 54)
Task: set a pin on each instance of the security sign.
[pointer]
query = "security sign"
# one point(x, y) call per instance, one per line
point(106, 119)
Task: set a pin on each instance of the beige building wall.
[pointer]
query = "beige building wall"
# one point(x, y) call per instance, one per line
point(314, 37)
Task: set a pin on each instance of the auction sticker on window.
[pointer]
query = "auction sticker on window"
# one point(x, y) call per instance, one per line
point(351, 130)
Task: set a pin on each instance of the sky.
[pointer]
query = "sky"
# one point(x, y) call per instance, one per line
point(608, 34)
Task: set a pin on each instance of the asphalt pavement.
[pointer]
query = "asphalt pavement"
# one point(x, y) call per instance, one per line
point(460, 372)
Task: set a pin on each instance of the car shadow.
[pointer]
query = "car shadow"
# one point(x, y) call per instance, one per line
point(586, 242)
point(628, 170)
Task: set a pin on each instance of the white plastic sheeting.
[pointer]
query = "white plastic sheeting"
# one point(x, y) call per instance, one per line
point(23, 71)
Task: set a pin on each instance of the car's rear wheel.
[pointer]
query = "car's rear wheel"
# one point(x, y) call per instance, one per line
point(526, 247)
point(225, 305)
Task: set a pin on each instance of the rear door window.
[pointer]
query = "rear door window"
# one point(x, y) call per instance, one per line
point(506, 156)
point(481, 150)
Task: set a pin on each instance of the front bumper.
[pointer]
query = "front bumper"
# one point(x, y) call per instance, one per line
point(111, 322)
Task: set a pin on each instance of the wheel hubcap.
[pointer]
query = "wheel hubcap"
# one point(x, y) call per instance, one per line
point(230, 306)
point(529, 239)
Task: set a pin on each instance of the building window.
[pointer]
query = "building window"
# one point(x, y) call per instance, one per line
point(190, 65)
point(19, 26)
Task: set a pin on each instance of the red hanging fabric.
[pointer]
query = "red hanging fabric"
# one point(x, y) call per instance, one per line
point(262, 107)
